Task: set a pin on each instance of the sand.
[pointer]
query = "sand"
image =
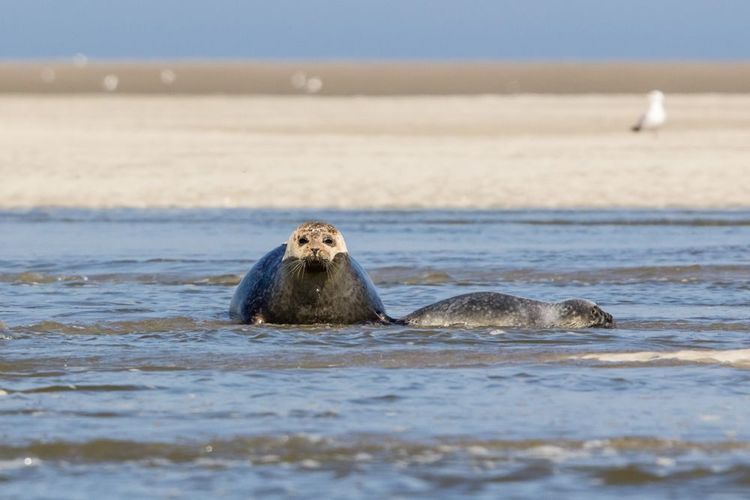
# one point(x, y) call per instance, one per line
point(372, 78)
point(522, 151)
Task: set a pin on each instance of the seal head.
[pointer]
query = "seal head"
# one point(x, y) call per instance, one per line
point(582, 313)
point(313, 246)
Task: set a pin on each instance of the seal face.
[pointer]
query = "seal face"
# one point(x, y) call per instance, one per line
point(310, 279)
point(314, 246)
point(582, 313)
point(501, 310)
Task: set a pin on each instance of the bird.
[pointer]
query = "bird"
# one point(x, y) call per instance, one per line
point(655, 116)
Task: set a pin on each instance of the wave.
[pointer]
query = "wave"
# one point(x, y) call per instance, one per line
point(728, 275)
point(616, 217)
point(74, 387)
point(151, 325)
point(739, 358)
point(685, 326)
point(36, 278)
point(292, 351)
point(299, 448)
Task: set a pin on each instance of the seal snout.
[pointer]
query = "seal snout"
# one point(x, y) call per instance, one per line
point(603, 319)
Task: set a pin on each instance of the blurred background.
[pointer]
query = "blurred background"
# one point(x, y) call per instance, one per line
point(416, 46)
point(431, 104)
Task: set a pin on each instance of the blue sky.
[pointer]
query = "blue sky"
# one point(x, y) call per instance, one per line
point(377, 29)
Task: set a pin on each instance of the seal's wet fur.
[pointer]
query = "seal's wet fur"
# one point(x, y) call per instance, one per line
point(312, 279)
point(499, 309)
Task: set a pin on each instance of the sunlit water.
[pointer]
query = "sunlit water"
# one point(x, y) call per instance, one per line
point(120, 375)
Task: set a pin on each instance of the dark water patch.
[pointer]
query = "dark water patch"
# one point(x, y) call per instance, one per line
point(86, 414)
point(457, 217)
point(33, 371)
point(642, 475)
point(217, 280)
point(687, 326)
point(443, 358)
point(385, 398)
point(727, 276)
point(686, 221)
point(290, 359)
point(167, 279)
point(145, 326)
point(78, 388)
point(386, 276)
point(298, 448)
point(311, 335)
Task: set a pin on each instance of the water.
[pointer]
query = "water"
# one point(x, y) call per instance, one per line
point(120, 375)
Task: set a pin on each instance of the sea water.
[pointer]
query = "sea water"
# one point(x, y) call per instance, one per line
point(121, 376)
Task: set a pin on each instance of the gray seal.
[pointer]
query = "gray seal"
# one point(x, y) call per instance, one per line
point(501, 310)
point(312, 279)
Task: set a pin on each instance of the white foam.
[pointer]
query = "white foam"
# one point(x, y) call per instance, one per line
point(553, 453)
point(665, 462)
point(733, 357)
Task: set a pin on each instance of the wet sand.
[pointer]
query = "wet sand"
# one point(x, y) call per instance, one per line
point(372, 78)
point(512, 151)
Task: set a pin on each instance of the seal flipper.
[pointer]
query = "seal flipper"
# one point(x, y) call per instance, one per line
point(253, 291)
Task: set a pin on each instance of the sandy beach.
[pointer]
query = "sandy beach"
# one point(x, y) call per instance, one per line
point(512, 151)
point(382, 78)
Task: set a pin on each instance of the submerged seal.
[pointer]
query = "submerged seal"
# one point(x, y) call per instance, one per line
point(312, 279)
point(308, 280)
point(499, 309)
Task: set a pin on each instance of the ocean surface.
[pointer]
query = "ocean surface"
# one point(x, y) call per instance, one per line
point(121, 376)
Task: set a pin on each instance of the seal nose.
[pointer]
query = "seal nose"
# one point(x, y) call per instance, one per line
point(315, 251)
point(606, 320)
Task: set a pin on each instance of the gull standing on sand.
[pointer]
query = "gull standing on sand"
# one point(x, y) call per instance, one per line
point(655, 116)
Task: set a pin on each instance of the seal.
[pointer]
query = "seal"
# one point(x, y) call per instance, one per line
point(310, 279)
point(501, 310)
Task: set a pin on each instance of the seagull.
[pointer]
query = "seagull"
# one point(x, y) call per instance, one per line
point(655, 116)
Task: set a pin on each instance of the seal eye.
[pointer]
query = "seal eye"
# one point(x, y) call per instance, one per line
point(328, 241)
point(303, 241)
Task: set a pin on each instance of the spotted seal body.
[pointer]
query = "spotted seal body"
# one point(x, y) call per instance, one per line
point(501, 310)
point(311, 279)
